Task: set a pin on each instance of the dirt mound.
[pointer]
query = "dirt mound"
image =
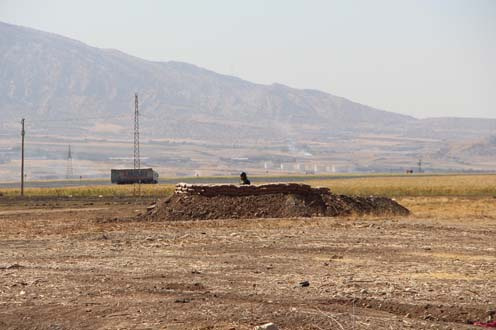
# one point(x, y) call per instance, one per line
point(204, 202)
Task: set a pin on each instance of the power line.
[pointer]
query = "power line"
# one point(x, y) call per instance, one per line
point(78, 119)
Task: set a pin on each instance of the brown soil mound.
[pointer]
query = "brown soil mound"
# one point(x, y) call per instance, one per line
point(267, 201)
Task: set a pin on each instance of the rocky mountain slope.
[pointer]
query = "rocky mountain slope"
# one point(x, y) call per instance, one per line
point(49, 76)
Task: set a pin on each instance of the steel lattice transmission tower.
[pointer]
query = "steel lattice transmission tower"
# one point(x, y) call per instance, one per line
point(69, 171)
point(137, 162)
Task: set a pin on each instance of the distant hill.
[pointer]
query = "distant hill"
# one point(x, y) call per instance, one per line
point(70, 92)
point(49, 76)
point(485, 147)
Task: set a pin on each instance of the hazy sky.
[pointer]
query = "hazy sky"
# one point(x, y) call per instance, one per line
point(422, 58)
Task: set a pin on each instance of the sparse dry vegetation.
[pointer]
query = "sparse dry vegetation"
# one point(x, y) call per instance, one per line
point(483, 185)
point(450, 207)
point(160, 190)
point(414, 185)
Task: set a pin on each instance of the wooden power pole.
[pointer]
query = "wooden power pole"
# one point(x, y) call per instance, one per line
point(23, 132)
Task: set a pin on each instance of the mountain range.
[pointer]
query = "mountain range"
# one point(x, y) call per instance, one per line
point(63, 85)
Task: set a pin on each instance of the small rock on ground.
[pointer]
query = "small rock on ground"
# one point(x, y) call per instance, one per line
point(268, 326)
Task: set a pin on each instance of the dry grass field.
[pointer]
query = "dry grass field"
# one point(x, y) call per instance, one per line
point(414, 185)
point(481, 185)
point(93, 191)
point(84, 262)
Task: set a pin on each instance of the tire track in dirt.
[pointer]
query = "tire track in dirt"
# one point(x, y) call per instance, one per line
point(43, 211)
point(429, 312)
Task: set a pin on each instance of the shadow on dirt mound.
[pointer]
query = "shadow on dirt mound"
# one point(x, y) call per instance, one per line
point(191, 202)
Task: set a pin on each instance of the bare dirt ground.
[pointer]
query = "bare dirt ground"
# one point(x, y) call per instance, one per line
point(85, 264)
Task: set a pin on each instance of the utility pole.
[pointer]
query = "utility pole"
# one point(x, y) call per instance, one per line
point(23, 132)
point(419, 166)
point(137, 163)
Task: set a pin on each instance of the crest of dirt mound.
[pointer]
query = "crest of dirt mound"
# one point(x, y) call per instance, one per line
point(281, 200)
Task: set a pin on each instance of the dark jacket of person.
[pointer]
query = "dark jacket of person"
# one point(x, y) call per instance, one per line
point(243, 178)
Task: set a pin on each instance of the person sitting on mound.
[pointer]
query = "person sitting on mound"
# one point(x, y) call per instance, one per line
point(243, 178)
